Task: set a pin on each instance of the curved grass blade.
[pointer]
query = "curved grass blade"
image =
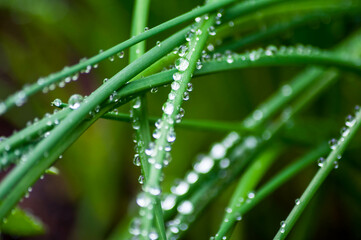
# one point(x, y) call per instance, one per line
point(19, 98)
point(352, 123)
point(88, 105)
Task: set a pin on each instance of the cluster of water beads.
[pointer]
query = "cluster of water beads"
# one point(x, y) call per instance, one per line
point(334, 143)
point(256, 54)
point(135, 230)
point(283, 225)
point(204, 164)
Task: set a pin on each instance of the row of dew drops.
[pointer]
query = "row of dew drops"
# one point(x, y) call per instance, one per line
point(43, 82)
point(333, 143)
point(143, 200)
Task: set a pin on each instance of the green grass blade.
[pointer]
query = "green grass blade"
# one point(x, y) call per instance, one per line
point(269, 187)
point(88, 105)
point(326, 167)
point(19, 98)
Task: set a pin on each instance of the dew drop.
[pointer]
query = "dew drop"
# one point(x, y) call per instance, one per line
point(185, 96)
point(20, 98)
point(186, 207)
point(2, 108)
point(192, 177)
point(141, 179)
point(181, 188)
point(143, 200)
point(171, 136)
point(175, 85)
point(297, 201)
point(257, 115)
point(168, 108)
point(345, 131)
point(57, 102)
point(169, 202)
point(120, 54)
point(286, 90)
point(177, 76)
point(283, 224)
point(137, 103)
point(211, 31)
point(333, 143)
point(136, 160)
point(181, 64)
point(271, 50)
point(320, 161)
point(218, 151)
point(251, 195)
point(204, 165)
point(350, 121)
point(111, 58)
point(75, 101)
point(155, 191)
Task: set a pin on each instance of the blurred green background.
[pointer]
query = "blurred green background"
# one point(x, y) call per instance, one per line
point(97, 184)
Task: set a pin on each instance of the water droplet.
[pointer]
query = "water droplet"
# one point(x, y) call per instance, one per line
point(186, 207)
point(3, 108)
point(169, 202)
point(180, 188)
point(271, 50)
point(230, 59)
point(75, 101)
point(155, 191)
point(192, 177)
point(198, 19)
point(199, 64)
point(111, 58)
point(345, 131)
point(185, 96)
point(57, 102)
point(283, 224)
point(286, 90)
point(181, 64)
point(218, 151)
point(257, 115)
point(297, 201)
point(350, 121)
point(153, 236)
point(204, 165)
point(320, 161)
point(136, 160)
point(154, 90)
point(171, 136)
point(335, 164)
point(177, 76)
point(168, 108)
point(105, 80)
point(251, 142)
point(143, 200)
point(146, 29)
point(158, 43)
point(251, 195)
point(175, 85)
point(20, 98)
point(224, 163)
point(211, 31)
point(120, 54)
point(137, 103)
point(333, 143)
